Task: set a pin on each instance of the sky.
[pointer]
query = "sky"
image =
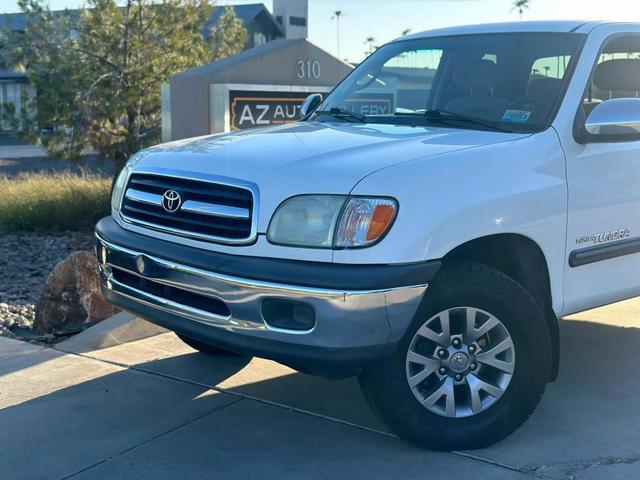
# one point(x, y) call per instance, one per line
point(385, 20)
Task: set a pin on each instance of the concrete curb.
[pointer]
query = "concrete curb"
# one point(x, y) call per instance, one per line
point(121, 328)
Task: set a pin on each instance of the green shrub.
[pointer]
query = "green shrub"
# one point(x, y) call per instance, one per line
point(59, 201)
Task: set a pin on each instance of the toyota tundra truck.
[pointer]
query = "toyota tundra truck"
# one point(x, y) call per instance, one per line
point(423, 226)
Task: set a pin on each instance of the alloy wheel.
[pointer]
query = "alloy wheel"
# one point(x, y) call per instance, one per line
point(460, 362)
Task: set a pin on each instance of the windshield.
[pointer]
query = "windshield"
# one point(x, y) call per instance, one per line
point(510, 82)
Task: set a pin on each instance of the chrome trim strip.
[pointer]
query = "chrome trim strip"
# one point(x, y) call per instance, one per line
point(242, 282)
point(143, 197)
point(163, 303)
point(202, 177)
point(191, 206)
point(184, 233)
point(215, 210)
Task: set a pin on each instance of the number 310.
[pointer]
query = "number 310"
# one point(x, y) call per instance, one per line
point(308, 69)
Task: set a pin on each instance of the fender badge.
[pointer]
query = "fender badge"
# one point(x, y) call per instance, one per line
point(596, 238)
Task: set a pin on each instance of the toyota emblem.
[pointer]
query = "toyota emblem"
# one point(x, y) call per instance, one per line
point(171, 201)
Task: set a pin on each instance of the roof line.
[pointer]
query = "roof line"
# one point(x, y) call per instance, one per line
point(578, 27)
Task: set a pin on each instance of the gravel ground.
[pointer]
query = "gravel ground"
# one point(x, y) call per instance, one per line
point(26, 259)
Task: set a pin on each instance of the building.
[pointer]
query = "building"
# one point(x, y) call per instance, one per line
point(260, 24)
point(14, 89)
point(265, 85)
point(293, 17)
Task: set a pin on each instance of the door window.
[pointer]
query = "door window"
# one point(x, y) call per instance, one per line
point(616, 74)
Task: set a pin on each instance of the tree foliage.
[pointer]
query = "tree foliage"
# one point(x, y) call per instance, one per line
point(520, 6)
point(98, 72)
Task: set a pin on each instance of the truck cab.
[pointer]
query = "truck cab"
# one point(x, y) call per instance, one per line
point(423, 226)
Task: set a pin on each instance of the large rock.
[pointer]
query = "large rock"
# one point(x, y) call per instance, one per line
point(71, 297)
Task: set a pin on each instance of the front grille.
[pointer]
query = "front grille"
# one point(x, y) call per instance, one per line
point(177, 295)
point(207, 210)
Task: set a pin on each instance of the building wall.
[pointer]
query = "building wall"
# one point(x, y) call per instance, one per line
point(293, 17)
point(260, 31)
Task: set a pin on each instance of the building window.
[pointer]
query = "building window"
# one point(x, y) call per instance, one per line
point(279, 19)
point(259, 39)
point(298, 21)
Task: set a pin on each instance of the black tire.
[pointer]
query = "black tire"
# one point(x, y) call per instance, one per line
point(206, 348)
point(468, 284)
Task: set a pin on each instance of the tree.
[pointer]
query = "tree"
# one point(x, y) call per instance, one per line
point(520, 6)
point(98, 72)
point(337, 15)
point(406, 31)
point(228, 37)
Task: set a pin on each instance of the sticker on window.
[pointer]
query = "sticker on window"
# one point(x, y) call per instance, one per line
point(516, 116)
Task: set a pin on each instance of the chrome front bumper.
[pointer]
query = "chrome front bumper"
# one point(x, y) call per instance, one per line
point(344, 318)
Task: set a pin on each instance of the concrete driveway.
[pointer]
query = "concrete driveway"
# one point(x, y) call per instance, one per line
point(156, 409)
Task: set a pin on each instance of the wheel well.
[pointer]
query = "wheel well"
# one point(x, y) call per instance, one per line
point(522, 259)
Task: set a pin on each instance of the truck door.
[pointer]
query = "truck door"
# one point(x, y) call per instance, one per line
point(603, 177)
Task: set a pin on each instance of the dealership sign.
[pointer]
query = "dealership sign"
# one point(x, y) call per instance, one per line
point(371, 104)
point(250, 109)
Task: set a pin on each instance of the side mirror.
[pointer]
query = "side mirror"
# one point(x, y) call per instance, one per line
point(310, 104)
point(617, 119)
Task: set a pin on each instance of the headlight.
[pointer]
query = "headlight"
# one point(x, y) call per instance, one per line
point(331, 221)
point(306, 221)
point(122, 180)
point(119, 186)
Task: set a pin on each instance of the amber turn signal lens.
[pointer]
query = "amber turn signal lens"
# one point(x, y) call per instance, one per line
point(364, 220)
point(380, 222)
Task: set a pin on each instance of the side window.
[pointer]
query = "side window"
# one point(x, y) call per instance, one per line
point(616, 74)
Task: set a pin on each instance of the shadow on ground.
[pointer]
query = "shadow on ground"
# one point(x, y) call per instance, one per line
point(159, 419)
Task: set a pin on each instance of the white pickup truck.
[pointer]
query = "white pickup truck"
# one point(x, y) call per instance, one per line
point(423, 226)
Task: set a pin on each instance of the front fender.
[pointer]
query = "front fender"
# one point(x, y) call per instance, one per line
point(512, 187)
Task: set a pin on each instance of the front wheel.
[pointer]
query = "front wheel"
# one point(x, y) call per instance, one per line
point(472, 366)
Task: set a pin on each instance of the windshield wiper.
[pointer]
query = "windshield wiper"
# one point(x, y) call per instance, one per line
point(338, 112)
point(440, 115)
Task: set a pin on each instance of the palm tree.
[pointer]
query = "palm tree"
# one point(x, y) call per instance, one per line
point(370, 41)
point(337, 15)
point(520, 6)
point(406, 31)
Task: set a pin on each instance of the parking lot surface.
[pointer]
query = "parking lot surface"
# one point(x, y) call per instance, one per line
point(154, 408)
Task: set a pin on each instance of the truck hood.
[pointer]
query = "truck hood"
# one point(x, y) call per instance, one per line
point(310, 157)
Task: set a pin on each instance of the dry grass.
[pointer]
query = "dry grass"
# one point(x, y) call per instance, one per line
point(53, 202)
